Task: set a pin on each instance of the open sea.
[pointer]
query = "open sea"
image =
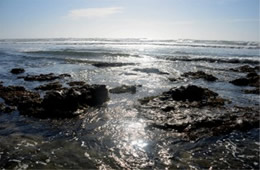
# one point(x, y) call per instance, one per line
point(115, 136)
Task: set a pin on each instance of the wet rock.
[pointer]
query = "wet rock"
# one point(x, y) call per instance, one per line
point(200, 75)
point(252, 79)
point(191, 95)
point(219, 125)
point(70, 102)
point(240, 82)
point(104, 64)
point(146, 100)
point(245, 69)
point(172, 79)
point(64, 103)
point(44, 77)
point(76, 83)
point(123, 89)
point(194, 112)
point(6, 109)
point(257, 68)
point(252, 75)
point(167, 108)
point(253, 91)
point(17, 70)
point(129, 74)
point(50, 86)
point(14, 95)
point(150, 70)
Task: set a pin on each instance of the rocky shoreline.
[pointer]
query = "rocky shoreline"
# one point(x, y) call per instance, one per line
point(189, 111)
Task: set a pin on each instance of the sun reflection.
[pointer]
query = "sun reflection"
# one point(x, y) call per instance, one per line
point(139, 143)
point(136, 134)
point(135, 125)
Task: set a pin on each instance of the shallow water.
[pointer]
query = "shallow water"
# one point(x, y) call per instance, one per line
point(115, 136)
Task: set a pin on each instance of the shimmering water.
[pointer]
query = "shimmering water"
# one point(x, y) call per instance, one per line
point(115, 136)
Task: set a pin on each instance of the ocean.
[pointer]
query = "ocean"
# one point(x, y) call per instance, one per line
point(115, 136)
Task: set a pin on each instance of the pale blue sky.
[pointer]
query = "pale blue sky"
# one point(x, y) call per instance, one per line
point(159, 19)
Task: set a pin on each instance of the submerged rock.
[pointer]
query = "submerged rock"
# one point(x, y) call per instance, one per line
point(104, 64)
point(17, 70)
point(150, 70)
point(245, 69)
point(253, 91)
point(44, 77)
point(200, 74)
point(76, 83)
point(6, 109)
point(50, 86)
point(252, 79)
point(123, 89)
point(63, 103)
point(172, 79)
point(208, 126)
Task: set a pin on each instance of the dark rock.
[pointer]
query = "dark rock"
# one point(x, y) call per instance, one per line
point(64, 75)
point(213, 127)
point(64, 103)
point(194, 112)
point(245, 69)
point(146, 100)
point(252, 75)
point(130, 74)
point(14, 95)
point(200, 74)
point(50, 86)
point(167, 108)
point(76, 83)
point(190, 93)
point(240, 82)
point(17, 70)
point(6, 109)
point(172, 79)
point(257, 68)
point(44, 77)
point(252, 79)
point(71, 102)
point(194, 95)
point(104, 64)
point(253, 91)
point(123, 89)
point(150, 70)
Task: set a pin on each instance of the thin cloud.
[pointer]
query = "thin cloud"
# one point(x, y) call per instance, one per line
point(94, 12)
point(244, 20)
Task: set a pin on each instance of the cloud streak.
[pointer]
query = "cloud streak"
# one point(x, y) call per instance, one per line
point(94, 12)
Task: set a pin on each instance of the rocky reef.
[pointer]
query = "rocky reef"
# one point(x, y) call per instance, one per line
point(17, 70)
point(194, 112)
point(200, 75)
point(58, 102)
point(123, 89)
point(44, 77)
point(251, 79)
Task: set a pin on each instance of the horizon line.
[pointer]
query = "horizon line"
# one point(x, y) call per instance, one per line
point(130, 38)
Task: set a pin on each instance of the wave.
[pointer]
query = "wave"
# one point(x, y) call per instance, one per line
point(231, 60)
point(119, 42)
point(82, 53)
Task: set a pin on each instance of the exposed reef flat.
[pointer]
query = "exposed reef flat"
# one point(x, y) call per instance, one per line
point(194, 112)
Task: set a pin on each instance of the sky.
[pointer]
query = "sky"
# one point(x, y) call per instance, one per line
point(153, 19)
